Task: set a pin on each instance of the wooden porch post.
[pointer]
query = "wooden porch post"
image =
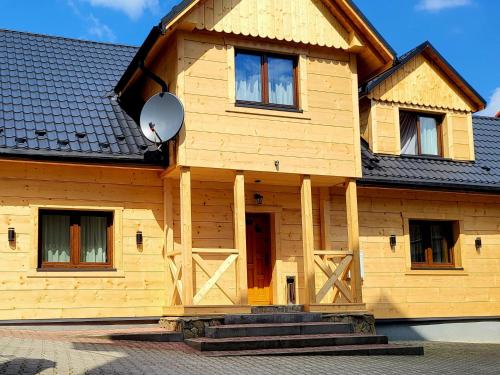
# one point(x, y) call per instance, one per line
point(308, 240)
point(186, 235)
point(324, 208)
point(353, 237)
point(240, 241)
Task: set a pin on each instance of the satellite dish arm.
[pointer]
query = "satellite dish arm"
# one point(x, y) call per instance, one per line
point(154, 77)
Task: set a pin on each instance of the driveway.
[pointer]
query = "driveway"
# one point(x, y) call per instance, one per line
point(83, 350)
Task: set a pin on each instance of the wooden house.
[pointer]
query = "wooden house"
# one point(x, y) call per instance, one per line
point(314, 167)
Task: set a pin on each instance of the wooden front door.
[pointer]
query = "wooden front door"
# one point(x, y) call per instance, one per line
point(259, 259)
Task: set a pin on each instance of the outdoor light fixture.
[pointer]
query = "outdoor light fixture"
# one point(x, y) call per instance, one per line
point(138, 238)
point(392, 241)
point(11, 234)
point(479, 243)
point(258, 198)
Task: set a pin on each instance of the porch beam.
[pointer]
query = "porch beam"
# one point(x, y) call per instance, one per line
point(240, 241)
point(186, 235)
point(307, 240)
point(353, 237)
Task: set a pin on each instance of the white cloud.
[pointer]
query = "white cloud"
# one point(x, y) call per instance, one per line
point(133, 8)
point(96, 29)
point(437, 5)
point(493, 106)
point(99, 30)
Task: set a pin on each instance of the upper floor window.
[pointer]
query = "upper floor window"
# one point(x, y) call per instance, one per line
point(431, 243)
point(75, 239)
point(266, 79)
point(420, 134)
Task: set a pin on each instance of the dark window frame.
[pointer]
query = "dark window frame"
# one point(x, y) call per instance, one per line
point(264, 73)
point(75, 241)
point(439, 121)
point(449, 228)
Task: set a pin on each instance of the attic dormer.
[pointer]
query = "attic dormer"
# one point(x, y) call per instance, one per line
point(420, 107)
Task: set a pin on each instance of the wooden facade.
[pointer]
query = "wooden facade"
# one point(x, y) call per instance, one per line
point(297, 169)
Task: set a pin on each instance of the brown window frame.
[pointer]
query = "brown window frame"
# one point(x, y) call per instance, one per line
point(75, 241)
point(451, 237)
point(439, 121)
point(264, 73)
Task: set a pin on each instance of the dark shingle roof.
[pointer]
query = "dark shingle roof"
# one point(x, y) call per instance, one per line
point(55, 99)
point(483, 174)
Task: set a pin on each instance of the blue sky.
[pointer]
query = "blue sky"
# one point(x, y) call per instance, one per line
point(466, 32)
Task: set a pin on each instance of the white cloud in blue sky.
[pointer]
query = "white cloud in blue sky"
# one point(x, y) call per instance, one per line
point(96, 29)
point(493, 104)
point(132, 8)
point(437, 5)
point(99, 30)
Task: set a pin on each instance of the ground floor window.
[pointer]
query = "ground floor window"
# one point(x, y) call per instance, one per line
point(75, 239)
point(432, 243)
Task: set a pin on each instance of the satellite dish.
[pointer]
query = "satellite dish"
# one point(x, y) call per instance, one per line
point(162, 117)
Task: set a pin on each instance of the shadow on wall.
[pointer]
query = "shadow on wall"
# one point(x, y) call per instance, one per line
point(27, 366)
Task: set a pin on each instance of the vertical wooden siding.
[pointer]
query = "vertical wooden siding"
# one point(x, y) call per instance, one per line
point(137, 288)
point(308, 22)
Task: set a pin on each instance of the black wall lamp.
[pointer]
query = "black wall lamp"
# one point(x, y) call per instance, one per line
point(392, 241)
point(479, 243)
point(259, 199)
point(11, 234)
point(138, 238)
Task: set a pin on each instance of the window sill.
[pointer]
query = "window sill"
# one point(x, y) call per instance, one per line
point(263, 110)
point(78, 273)
point(437, 272)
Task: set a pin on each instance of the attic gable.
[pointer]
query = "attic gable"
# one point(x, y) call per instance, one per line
point(300, 21)
point(423, 77)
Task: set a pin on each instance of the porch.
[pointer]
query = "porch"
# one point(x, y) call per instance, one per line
point(238, 239)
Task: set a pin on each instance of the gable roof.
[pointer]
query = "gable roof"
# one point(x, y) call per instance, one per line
point(481, 175)
point(55, 100)
point(347, 9)
point(430, 52)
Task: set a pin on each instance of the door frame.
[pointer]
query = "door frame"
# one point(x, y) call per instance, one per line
point(275, 213)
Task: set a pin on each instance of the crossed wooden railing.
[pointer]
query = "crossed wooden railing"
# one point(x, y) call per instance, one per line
point(336, 265)
point(175, 267)
point(176, 294)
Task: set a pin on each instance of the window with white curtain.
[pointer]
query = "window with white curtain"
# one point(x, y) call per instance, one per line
point(420, 134)
point(75, 239)
point(266, 79)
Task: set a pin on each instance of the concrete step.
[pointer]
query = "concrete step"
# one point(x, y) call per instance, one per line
point(278, 329)
point(281, 342)
point(272, 318)
point(277, 309)
point(346, 350)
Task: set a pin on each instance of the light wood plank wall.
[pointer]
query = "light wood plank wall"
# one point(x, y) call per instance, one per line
point(418, 86)
point(137, 288)
point(308, 22)
point(217, 134)
point(392, 290)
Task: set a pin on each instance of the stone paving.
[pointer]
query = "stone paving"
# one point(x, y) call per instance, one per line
point(83, 350)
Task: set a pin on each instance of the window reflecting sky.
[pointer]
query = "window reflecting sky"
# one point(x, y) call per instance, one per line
point(281, 81)
point(248, 77)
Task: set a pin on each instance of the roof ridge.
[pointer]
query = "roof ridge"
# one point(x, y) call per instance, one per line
point(66, 38)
